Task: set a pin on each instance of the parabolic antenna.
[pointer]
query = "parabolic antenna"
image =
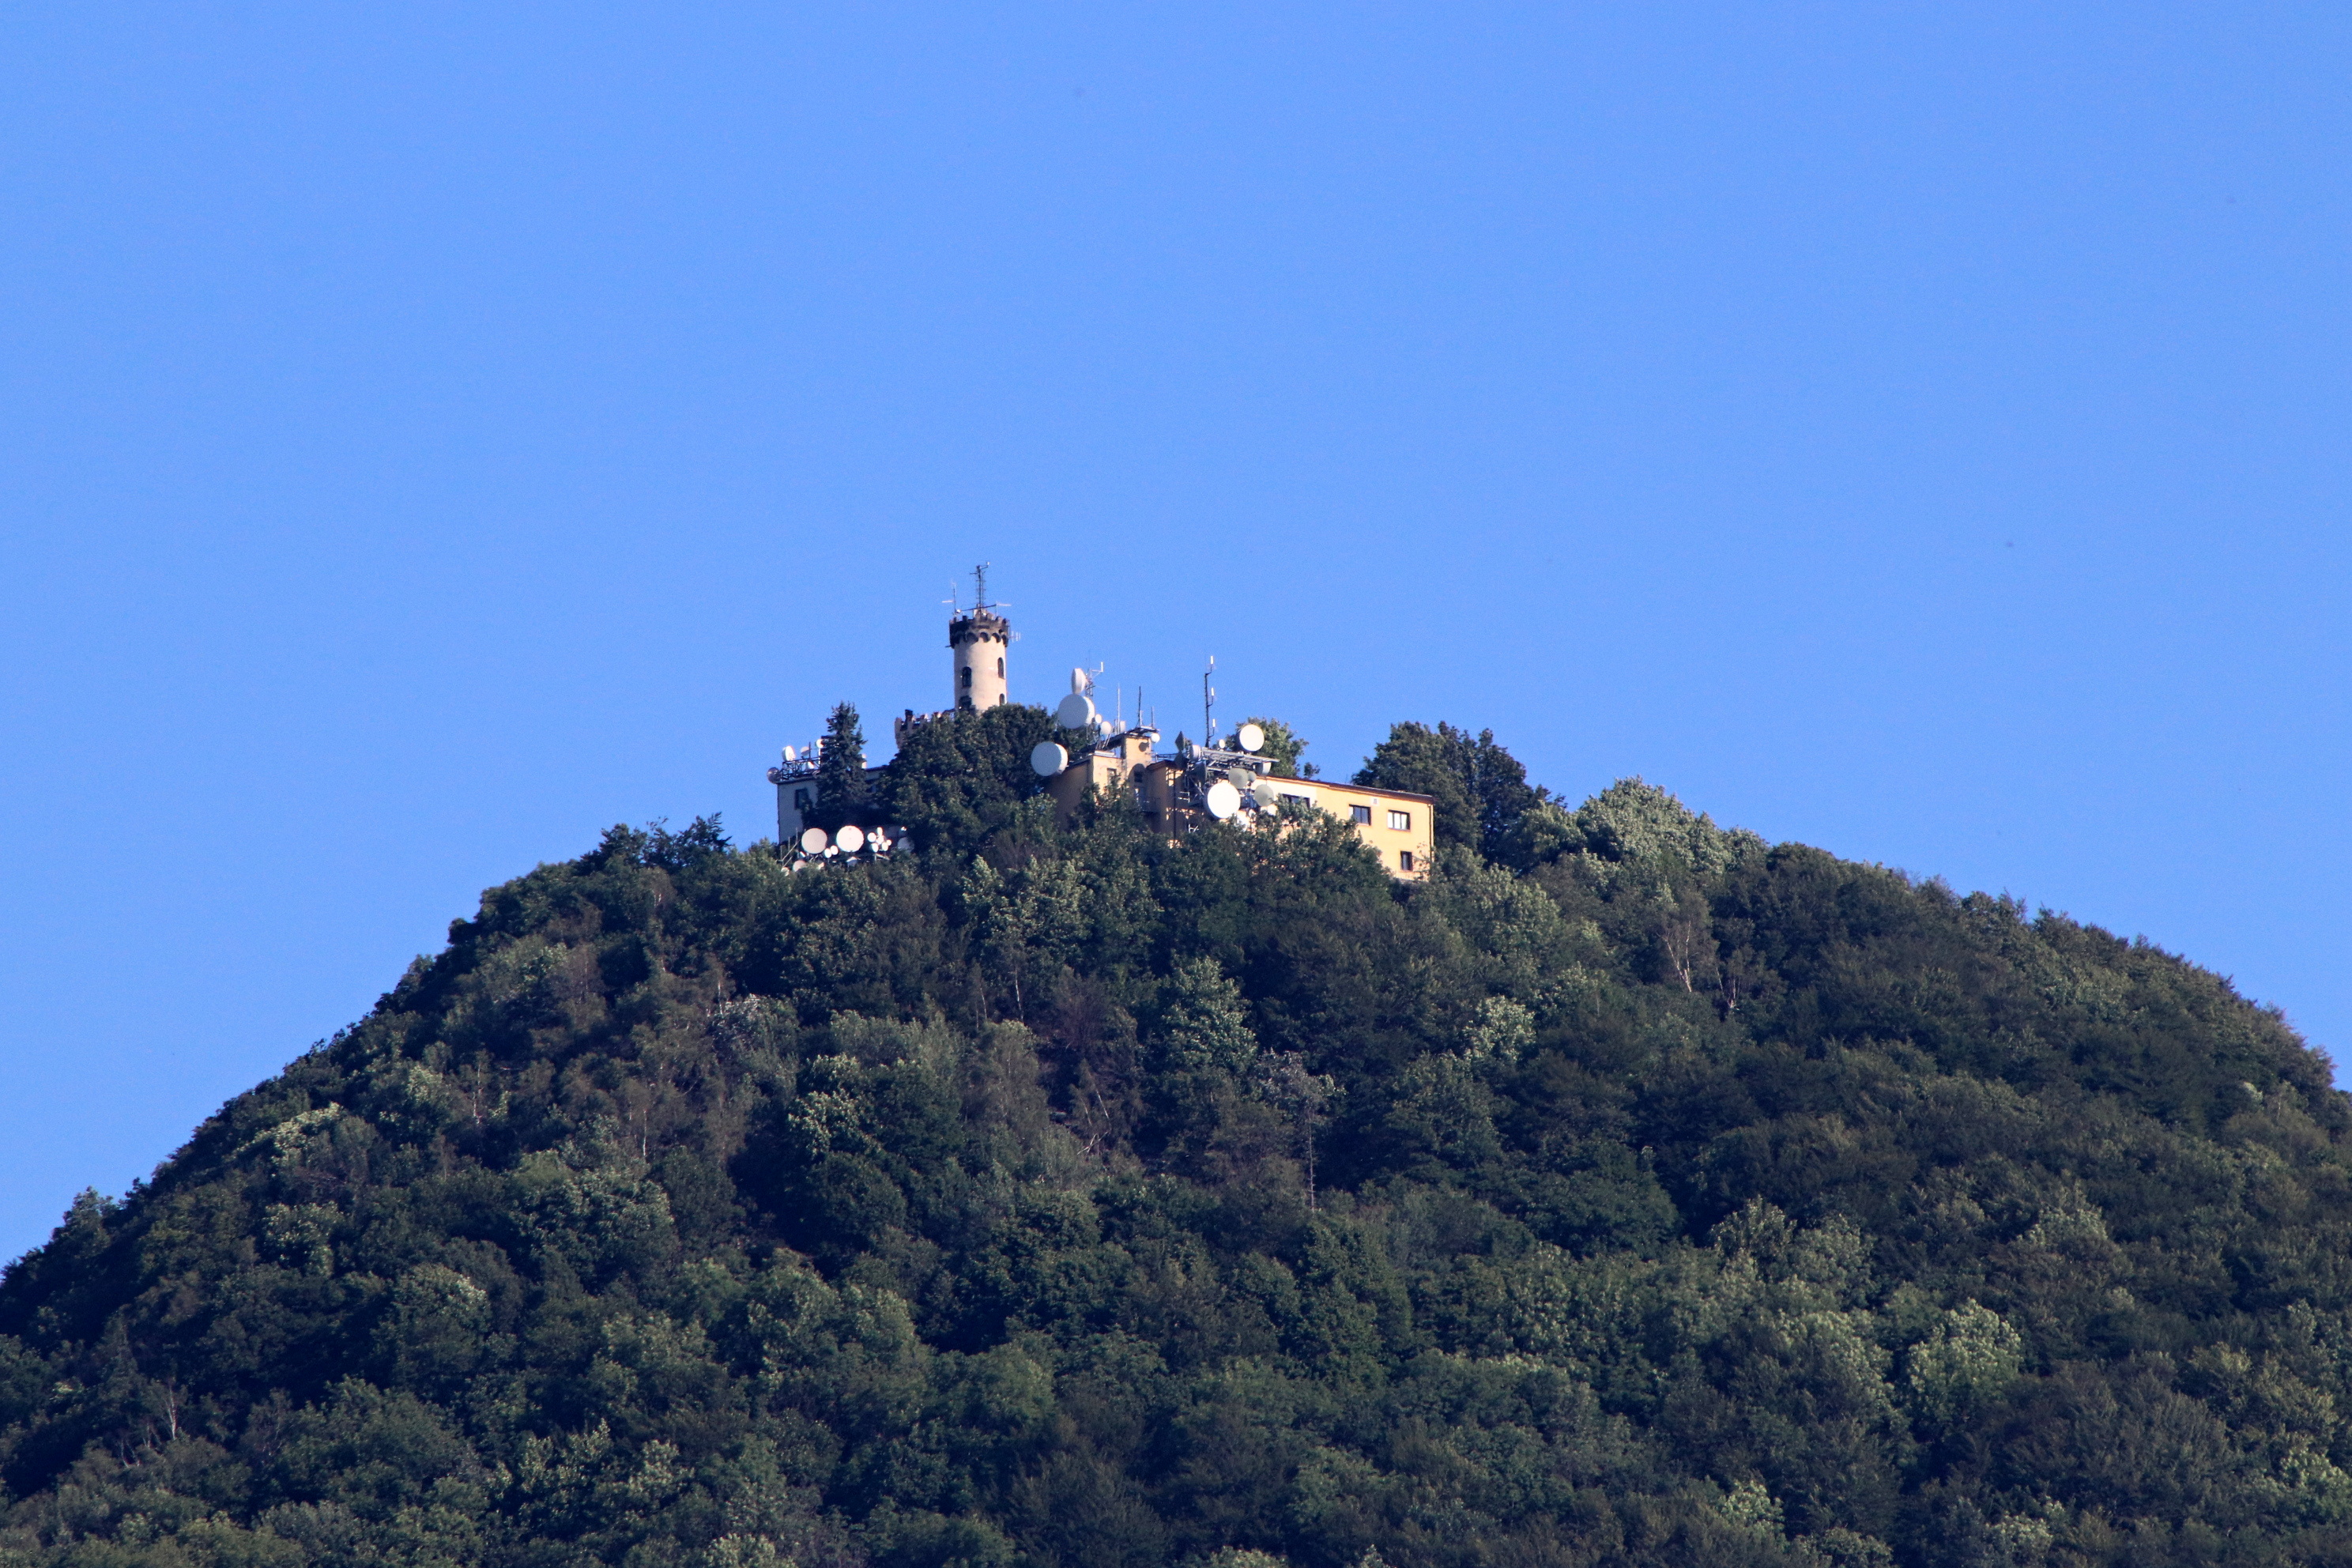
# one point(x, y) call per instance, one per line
point(1222, 799)
point(791, 754)
point(1268, 796)
point(1077, 680)
point(1250, 737)
point(1075, 712)
point(851, 838)
point(811, 840)
point(1046, 758)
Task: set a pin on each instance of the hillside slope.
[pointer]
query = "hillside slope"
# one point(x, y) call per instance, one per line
point(1636, 1192)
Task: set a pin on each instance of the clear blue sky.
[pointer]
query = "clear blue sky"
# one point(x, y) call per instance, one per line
point(435, 433)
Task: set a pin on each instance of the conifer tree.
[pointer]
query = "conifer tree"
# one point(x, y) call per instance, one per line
point(841, 764)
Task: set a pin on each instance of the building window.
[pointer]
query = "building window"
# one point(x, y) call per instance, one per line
point(967, 677)
point(1294, 800)
point(1362, 813)
point(999, 667)
point(801, 801)
point(1400, 822)
point(1405, 859)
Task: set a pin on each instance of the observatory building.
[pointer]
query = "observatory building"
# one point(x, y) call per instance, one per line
point(1199, 782)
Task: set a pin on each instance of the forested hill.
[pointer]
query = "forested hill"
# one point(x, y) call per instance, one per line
point(1632, 1192)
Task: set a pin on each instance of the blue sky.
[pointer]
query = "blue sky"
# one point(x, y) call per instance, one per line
point(433, 436)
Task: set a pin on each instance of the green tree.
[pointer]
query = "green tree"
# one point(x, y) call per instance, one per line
point(957, 779)
point(1481, 789)
point(1283, 746)
point(689, 1211)
point(842, 791)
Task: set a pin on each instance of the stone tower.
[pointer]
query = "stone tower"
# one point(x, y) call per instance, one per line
point(980, 639)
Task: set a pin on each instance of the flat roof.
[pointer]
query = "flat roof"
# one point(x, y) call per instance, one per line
point(1380, 790)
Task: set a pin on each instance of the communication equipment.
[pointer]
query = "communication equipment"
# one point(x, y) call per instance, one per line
point(851, 838)
point(1075, 712)
point(1078, 681)
point(791, 754)
point(1047, 758)
point(1250, 737)
point(813, 841)
point(1267, 793)
point(1222, 799)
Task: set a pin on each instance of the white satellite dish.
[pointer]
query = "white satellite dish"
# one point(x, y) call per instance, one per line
point(1267, 794)
point(811, 840)
point(1075, 712)
point(851, 838)
point(1250, 737)
point(791, 754)
point(1077, 680)
point(1047, 758)
point(1222, 799)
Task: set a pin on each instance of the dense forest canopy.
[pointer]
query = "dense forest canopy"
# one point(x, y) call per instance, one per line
point(1630, 1192)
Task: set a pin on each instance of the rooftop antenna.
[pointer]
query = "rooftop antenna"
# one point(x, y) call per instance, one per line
point(980, 590)
point(1208, 704)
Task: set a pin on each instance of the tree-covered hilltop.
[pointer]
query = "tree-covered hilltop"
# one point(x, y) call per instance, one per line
point(1632, 1192)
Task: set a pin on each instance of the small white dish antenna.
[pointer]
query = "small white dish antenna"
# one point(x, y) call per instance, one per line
point(1078, 681)
point(1047, 758)
point(1250, 738)
point(851, 838)
point(812, 840)
point(791, 754)
point(1267, 794)
point(1222, 799)
point(1075, 712)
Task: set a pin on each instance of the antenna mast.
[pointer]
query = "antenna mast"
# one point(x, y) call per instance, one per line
point(980, 587)
point(1208, 703)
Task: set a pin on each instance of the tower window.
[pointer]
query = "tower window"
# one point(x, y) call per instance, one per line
point(1400, 822)
point(967, 677)
point(1362, 813)
point(801, 801)
point(1000, 668)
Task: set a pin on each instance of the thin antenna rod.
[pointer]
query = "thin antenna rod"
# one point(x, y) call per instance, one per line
point(1208, 704)
point(980, 587)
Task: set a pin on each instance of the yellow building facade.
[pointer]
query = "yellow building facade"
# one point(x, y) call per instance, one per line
point(1399, 826)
